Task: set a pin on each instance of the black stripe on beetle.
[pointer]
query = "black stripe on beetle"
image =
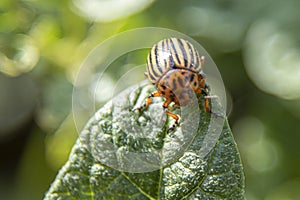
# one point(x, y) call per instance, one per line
point(193, 55)
point(184, 53)
point(197, 66)
point(178, 50)
point(174, 53)
point(170, 58)
point(157, 59)
point(153, 65)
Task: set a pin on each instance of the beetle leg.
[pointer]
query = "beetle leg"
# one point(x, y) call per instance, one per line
point(148, 101)
point(206, 99)
point(206, 105)
point(202, 79)
point(174, 116)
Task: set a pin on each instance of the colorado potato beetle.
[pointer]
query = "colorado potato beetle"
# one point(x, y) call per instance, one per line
point(175, 67)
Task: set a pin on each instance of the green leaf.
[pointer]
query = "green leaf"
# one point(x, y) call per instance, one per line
point(113, 160)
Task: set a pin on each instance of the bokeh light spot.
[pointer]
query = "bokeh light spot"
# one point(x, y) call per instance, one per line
point(24, 58)
point(105, 11)
point(260, 152)
point(272, 60)
point(103, 89)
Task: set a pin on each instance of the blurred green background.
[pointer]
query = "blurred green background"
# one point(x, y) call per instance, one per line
point(255, 44)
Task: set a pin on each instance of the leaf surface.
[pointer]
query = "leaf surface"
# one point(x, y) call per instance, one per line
point(111, 161)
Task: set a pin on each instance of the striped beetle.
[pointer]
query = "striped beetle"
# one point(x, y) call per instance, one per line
point(175, 67)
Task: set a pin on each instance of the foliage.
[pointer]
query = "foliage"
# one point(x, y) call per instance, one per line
point(217, 175)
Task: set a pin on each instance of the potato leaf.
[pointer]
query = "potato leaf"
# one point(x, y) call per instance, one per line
point(125, 154)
